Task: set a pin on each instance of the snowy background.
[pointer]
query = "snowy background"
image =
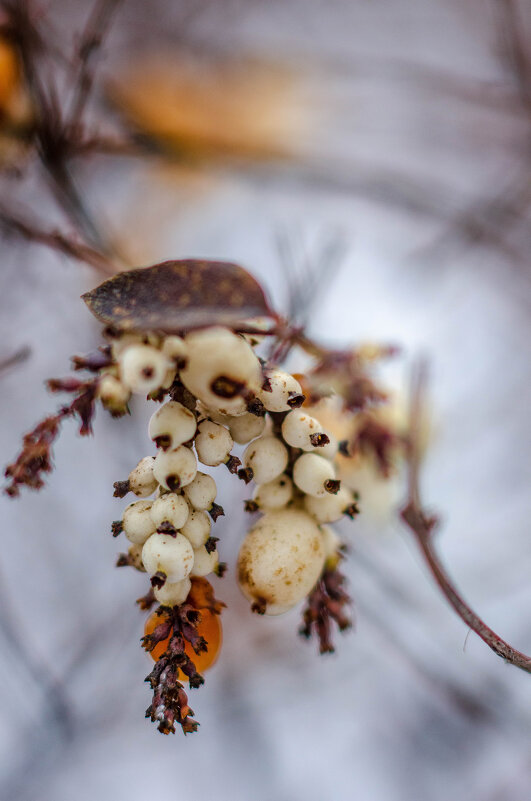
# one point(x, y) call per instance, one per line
point(418, 155)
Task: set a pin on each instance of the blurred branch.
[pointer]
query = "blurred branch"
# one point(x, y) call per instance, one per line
point(13, 224)
point(20, 356)
point(422, 526)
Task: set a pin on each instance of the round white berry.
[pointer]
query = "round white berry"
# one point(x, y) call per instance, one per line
point(197, 528)
point(173, 593)
point(297, 429)
point(267, 457)
point(171, 425)
point(170, 508)
point(175, 469)
point(124, 341)
point(328, 508)
point(221, 366)
point(142, 368)
point(330, 450)
point(113, 394)
point(173, 556)
point(246, 427)
point(204, 562)
point(281, 388)
point(142, 481)
point(311, 473)
point(137, 522)
point(213, 443)
point(280, 560)
point(174, 348)
point(275, 494)
point(201, 492)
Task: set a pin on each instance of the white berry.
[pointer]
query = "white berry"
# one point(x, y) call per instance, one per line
point(135, 557)
point(174, 348)
point(311, 473)
point(142, 368)
point(331, 543)
point(246, 427)
point(201, 492)
point(280, 560)
point(213, 443)
point(173, 556)
point(204, 562)
point(175, 469)
point(221, 366)
point(142, 481)
point(328, 508)
point(197, 528)
point(172, 425)
point(281, 387)
point(275, 494)
point(170, 508)
point(298, 427)
point(173, 593)
point(267, 457)
point(137, 522)
point(113, 394)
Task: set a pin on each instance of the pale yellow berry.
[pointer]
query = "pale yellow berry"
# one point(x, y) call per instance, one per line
point(113, 394)
point(298, 428)
point(221, 368)
point(137, 522)
point(173, 593)
point(275, 494)
point(328, 508)
point(142, 368)
point(197, 528)
point(142, 481)
point(171, 555)
point(267, 457)
point(170, 508)
point(175, 469)
point(204, 562)
point(281, 388)
point(172, 425)
point(213, 443)
point(280, 560)
point(311, 474)
point(135, 557)
point(201, 492)
point(246, 427)
point(174, 348)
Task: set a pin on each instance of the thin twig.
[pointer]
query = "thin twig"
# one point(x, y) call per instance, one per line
point(18, 357)
point(422, 525)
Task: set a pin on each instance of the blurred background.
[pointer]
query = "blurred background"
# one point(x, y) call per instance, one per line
point(245, 131)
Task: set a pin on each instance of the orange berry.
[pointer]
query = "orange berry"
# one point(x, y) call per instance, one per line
point(208, 627)
point(9, 72)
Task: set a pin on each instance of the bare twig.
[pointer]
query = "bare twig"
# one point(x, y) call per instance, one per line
point(15, 358)
point(422, 525)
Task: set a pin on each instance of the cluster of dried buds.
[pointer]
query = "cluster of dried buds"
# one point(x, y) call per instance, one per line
point(215, 393)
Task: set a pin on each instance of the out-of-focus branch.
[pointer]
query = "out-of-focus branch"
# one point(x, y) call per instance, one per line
point(422, 525)
point(15, 358)
point(16, 224)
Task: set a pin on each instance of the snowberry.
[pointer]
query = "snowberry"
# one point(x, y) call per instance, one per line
point(298, 428)
point(267, 457)
point(280, 560)
point(281, 389)
point(330, 449)
point(221, 367)
point(170, 508)
point(275, 494)
point(174, 348)
point(124, 341)
point(171, 425)
point(171, 555)
point(246, 427)
point(213, 443)
point(328, 508)
point(197, 528)
point(113, 394)
point(173, 593)
point(175, 469)
point(137, 522)
point(201, 492)
point(314, 475)
point(142, 368)
point(204, 562)
point(142, 480)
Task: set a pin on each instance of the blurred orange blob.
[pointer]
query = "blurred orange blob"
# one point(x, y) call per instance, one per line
point(9, 73)
point(208, 627)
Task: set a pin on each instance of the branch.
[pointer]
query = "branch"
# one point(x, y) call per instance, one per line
point(16, 358)
point(422, 525)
